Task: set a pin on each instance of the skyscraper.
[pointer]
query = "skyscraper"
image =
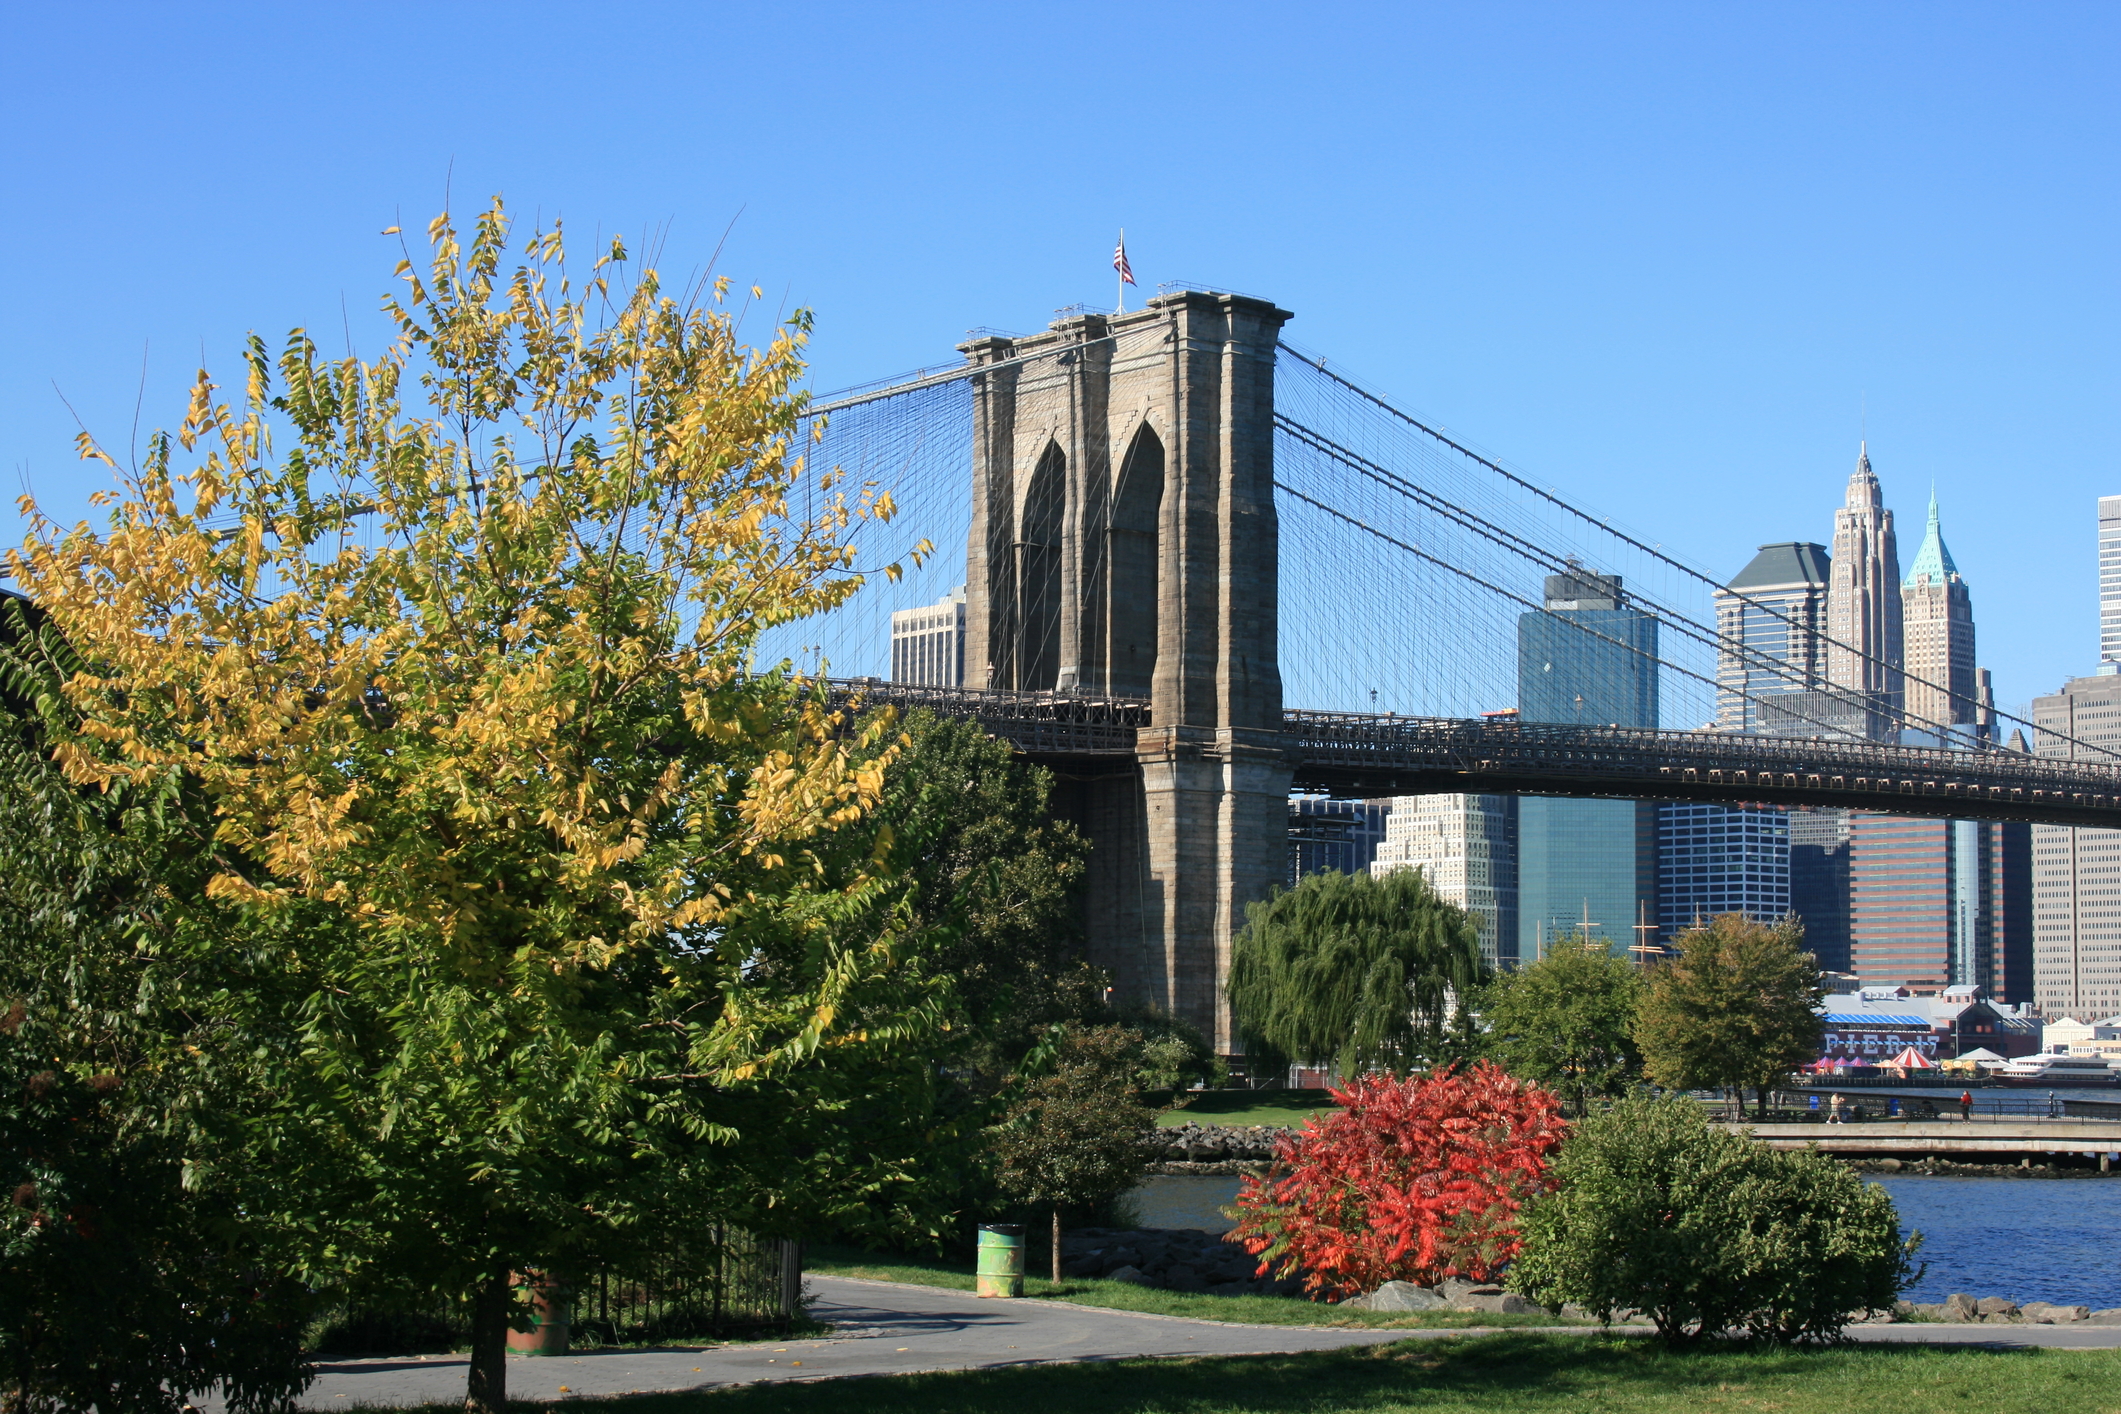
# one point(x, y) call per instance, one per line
point(1915, 901)
point(1940, 903)
point(928, 644)
point(1466, 846)
point(1588, 658)
point(1863, 595)
point(1341, 835)
point(1714, 859)
point(2077, 872)
point(1937, 615)
point(1770, 619)
point(1819, 883)
point(2110, 579)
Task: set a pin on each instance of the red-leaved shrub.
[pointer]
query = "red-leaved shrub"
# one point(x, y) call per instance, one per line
point(1409, 1180)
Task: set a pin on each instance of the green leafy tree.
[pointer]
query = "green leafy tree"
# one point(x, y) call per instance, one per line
point(1705, 1231)
point(991, 884)
point(123, 1287)
point(1354, 970)
point(1738, 1007)
point(1567, 1021)
point(454, 650)
point(1079, 1136)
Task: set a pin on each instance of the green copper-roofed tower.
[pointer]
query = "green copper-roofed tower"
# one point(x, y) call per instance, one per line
point(1937, 617)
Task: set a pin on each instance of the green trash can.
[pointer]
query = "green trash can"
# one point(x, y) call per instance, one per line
point(1001, 1259)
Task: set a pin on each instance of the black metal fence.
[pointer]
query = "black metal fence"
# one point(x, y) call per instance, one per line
point(728, 1281)
point(717, 1282)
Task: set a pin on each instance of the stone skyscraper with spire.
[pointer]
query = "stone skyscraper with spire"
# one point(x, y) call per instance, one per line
point(1943, 686)
point(1863, 605)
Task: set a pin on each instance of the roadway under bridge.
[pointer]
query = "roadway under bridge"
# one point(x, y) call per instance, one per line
point(1355, 756)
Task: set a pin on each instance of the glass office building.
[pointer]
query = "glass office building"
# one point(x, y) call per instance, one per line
point(1714, 859)
point(1587, 659)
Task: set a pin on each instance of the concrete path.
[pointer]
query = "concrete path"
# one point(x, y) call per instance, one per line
point(886, 1328)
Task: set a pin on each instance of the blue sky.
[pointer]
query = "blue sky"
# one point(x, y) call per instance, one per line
point(1659, 255)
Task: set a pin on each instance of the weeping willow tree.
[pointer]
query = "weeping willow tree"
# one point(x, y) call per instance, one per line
point(1353, 970)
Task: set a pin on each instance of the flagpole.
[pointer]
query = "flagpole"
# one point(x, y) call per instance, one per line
point(1119, 277)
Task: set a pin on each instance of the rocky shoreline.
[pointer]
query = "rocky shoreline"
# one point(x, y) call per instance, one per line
point(1961, 1309)
point(1170, 1259)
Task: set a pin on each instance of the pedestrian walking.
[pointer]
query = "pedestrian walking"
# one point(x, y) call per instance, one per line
point(2054, 1108)
point(1966, 1105)
point(1833, 1110)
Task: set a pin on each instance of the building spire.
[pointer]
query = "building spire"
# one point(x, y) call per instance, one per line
point(1933, 559)
point(1863, 491)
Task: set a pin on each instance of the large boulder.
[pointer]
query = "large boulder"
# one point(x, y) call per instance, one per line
point(1121, 1257)
point(1397, 1296)
point(2106, 1316)
point(1992, 1307)
point(1959, 1308)
point(2048, 1313)
point(1133, 1276)
point(1493, 1301)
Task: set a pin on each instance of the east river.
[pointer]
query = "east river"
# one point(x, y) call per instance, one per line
point(2030, 1239)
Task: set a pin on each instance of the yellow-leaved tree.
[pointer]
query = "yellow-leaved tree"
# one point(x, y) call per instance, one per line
point(454, 648)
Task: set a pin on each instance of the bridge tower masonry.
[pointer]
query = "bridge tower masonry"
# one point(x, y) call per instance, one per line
point(1124, 544)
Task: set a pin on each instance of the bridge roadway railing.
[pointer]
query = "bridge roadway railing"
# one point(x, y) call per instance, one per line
point(1361, 755)
point(1042, 724)
point(1364, 755)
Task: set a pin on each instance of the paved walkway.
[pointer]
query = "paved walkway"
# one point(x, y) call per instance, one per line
point(885, 1328)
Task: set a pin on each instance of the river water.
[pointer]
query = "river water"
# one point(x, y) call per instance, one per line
point(2029, 1239)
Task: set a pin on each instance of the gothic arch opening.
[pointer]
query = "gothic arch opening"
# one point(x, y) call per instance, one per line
point(1038, 574)
point(1131, 560)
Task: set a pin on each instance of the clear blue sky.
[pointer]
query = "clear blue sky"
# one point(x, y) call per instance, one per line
point(1658, 255)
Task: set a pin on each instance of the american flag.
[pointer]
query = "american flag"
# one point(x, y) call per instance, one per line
point(1119, 260)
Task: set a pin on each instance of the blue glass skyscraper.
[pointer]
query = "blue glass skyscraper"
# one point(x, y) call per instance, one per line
point(1587, 659)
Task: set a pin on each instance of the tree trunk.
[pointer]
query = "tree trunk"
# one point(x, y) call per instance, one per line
point(487, 1391)
point(1763, 1093)
point(1056, 1242)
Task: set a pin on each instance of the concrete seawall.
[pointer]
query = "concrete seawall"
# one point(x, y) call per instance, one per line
point(1991, 1139)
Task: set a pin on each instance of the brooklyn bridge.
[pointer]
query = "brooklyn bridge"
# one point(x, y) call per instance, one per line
point(1202, 569)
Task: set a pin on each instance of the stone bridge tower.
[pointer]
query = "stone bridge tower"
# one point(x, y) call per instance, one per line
point(1124, 544)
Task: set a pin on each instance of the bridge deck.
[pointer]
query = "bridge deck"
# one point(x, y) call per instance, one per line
point(1358, 755)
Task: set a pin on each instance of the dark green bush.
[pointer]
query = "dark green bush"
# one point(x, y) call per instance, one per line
point(1705, 1231)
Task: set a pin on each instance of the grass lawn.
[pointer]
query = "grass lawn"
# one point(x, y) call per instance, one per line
point(1123, 1296)
point(1501, 1374)
point(1237, 1107)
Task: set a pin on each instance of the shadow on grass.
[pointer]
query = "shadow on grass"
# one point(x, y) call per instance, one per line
point(1503, 1374)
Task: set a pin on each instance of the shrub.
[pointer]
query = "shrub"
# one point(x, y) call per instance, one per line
point(1706, 1231)
point(1410, 1180)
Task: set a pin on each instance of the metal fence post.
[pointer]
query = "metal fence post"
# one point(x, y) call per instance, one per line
point(791, 1279)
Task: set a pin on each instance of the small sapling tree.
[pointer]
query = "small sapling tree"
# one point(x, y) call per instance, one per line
point(1079, 1137)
